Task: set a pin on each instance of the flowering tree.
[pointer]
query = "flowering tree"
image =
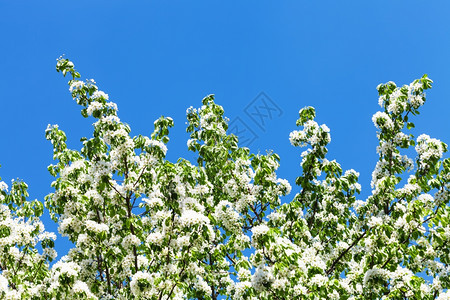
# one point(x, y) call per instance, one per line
point(147, 228)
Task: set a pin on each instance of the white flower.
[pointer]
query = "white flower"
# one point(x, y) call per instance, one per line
point(319, 280)
point(262, 277)
point(93, 107)
point(201, 285)
point(158, 144)
point(259, 230)
point(284, 186)
point(416, 86)
point(375, 221)
point(76, 86)
point(140, 282)
point(428, 148)
point(276, 216)
point(81, 288)
point(4, 285)
point(153, 202)
point(191, 218)
point(381, 100)
point(425, 289)
point(416, 100)
point(50, 253)
point(409, 189)
point(325, 128)
point(382, 120)
point(243, 203)
point(96, 227)
point(444, 296)
point(228, 216)
point(99, 95)
point(47, 235)
point(190, 142)
point(3, 186)
point(130, 240)
point(300, 290)
point(426, 198)
point(297, 138)
point(351, 172)
point(69, 269)
point(111, 105)
point(371, 273)
point(400, 223)
point(155, 238)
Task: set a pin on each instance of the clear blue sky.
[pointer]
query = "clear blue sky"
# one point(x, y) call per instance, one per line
point(157, 58)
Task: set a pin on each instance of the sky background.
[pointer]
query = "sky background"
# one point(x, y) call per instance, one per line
point(158, 58)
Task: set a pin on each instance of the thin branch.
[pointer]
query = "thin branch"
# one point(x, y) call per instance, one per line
point(333, 265)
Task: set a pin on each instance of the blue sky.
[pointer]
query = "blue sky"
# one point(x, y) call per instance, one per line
point(158, 58)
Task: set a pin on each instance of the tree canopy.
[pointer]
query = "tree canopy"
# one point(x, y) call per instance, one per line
point(143, 227)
